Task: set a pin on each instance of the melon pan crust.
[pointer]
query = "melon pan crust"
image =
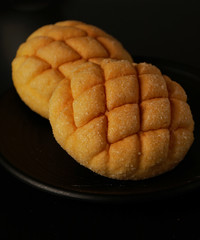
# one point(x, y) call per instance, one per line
point(35, 69)
point(121, 120)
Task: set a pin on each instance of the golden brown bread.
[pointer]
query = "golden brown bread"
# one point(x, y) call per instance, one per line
point(35, 69)
point(121, 120)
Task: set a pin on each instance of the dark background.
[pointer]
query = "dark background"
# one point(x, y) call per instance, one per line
point(166, 29)
point(152, 28)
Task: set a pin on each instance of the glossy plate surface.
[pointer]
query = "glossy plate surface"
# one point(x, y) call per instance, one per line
point(30, 152)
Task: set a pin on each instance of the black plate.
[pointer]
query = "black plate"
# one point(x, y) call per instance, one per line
point(29, 151)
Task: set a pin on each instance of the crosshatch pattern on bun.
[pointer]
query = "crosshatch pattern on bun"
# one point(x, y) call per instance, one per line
point(121, 120)
point(35, 69)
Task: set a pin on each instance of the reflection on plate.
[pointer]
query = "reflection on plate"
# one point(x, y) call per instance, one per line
point(30, 152)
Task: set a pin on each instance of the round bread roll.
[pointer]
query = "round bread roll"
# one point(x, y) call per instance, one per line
point(121, 120)
point(36, 67)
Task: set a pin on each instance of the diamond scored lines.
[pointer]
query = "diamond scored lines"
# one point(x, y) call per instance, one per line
point(47, 80)
point(120, 119)
point(115, 69)
point(122, 122)
point(181, 115)
point(86, 40)
point(127, 121)
point(57, 53)
point(89, 105)
point(175, 90)
point(83, 75)
point(121, 90)
point(124, 157)
point(120, 128)
point(152, 86)
point(88, 47)
point(21, 66)
point(57, 32)
point(29, 48)
point(60, 33)
point(155, 114)
point(114, 48)
point(54, 46)
point(154, 148)
point(89, 139)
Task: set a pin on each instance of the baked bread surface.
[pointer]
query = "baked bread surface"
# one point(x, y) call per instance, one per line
point(35, 69)
point(121, 120)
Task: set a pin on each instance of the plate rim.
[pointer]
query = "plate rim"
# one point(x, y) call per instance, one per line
point(98, 197)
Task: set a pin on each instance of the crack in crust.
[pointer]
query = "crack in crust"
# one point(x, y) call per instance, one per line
point(121, 120)
point(55, 45)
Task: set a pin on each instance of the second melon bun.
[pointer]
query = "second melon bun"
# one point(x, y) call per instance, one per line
point(36, 67)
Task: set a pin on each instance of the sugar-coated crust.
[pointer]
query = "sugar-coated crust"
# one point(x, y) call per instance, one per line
point(121, 120)
point(35, 69)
